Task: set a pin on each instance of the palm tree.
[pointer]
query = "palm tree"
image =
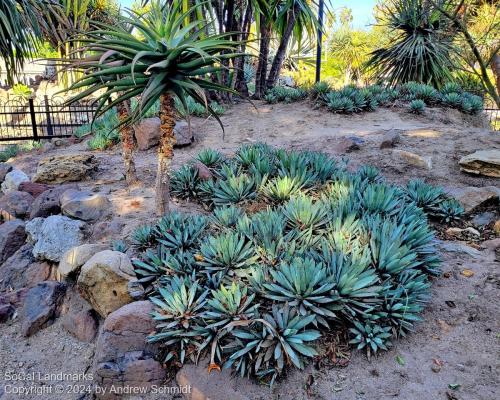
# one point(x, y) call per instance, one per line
point(162, 58)
point(422, 45)
point(23, 23)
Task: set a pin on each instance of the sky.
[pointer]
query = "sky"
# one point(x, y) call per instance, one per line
point(361, 10)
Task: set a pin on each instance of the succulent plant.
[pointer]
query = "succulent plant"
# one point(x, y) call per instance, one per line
point(211, 158)
point(417, 106)
point(379, 199)
point(143, 236)
point(177, 231)
point(281, 189)
point(448, 210)
point(235, 189)
point(179, 308)
point(302, 213)
point(184, 182)
point(370, 336)
point(423, 195)
point(226, 217)
point(119, 245)
point(452, 99)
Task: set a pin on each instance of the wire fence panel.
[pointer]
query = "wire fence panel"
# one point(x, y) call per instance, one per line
point(34, 119)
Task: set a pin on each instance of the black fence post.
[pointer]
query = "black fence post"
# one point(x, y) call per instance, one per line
point(50, 130)
point(33, 118)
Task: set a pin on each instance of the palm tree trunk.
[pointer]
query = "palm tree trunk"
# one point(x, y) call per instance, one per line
point(260, 74)
point(165, 153)
point(280, 54)
point(128, 144)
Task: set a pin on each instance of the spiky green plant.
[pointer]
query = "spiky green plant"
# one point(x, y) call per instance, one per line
point(211, 158)
point(234, 190)
point(417, 106)
point(448, 210)
point(302, 214)
point(379, 199)
point(320, 89)
point(281, 189)
point(184, 182)
point(453, 100)
point(179, 308)
point(370, 336)
point(177, 231)
point(226, 217)
point(304, 284)
point(119, 245)
point(143, 236)
point(227, 252)
point(423, 195)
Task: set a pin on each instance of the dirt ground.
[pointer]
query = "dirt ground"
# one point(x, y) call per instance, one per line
point(454, 352)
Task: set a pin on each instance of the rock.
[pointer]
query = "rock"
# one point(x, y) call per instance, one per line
point(344, 145)
point(6, 311)
point(136, 290)
point(104, 279)
point(13, 179)
point(204, 172)
point(12, 237)
point(413, 159)
point(207, 386)
point(53, 236)
point(183, 134)
point(472, 197)
point(496, 227)
point(82, 325)
point(15, 204)
point(4, 170)
point(492, 244)
point(484, 218)
point(459, 232)
point(74, 258)
point(457, 247)
point(41, 306)
point(65, 168)
point(105, 230)
point(48, 146)
point(482, 162)
point(147, 133)
point(13, 269)
point(35, 189)
point(48, 203)
point(123, 357)
point(58, 142)
point(15, 297)
point(390, 139)
point(84, 205)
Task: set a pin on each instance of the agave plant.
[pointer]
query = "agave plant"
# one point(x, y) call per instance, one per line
point(211, 158)
point(184, 182)
point(379, 199)
point(265, 346)
point(158, 55)
point(302, 213)
point(281, 189)
point(303, 284)
point(143, 236)
point(178, 311)
point(370, 336)
point(417, 106)
point(227, 252)
point(423, 195)
point(235, 189)
point(448, 210)
point(178, 231)
point(226, 217)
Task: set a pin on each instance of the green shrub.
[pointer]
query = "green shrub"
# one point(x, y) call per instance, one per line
point(285, 94)
point(8, 152)
point(320, 247)
point(417, 106)
point(453, 100)
point(21, 90)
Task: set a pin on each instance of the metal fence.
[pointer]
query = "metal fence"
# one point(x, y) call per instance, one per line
point(41, 118)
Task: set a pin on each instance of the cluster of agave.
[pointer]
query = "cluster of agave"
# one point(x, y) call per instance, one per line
point(352, 99)
point(254, 290)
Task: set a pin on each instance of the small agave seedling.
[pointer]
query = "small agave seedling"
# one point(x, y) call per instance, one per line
point(371, 337)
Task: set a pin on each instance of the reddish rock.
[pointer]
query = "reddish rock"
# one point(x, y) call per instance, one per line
point(14, 297)
point(204, 172)
point(39, 272)
point(13, 269)
point(12, 237)
point(35, 189)
point(82, 325)
point(48, 203)
point(15, 204)
point(123, 356)
point(473, 197)
point(41, 306)
point(147, 133)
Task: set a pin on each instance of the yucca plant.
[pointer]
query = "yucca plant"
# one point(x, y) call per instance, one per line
point(227, 252)
point(157, 55)
point(179, 307)
point(177, 231)
point(304, 284)
point(370, 336)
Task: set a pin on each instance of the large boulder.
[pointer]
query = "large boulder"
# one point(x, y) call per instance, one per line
point(15, 204)
point(35, 189)
point(74, 258)
point(123, 357)
point(42, 306)
point(82, 325)
point(482, 162)
point(13, 179)
point(48, 203)
point(54, 235)
point(84, 205)
point(104, 279)
point(4, 170)
point(473, 197)
point(147, 133)
point(66, 168)
point(12, 237)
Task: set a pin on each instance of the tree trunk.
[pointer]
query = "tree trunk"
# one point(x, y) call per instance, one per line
point(260, 74)
point(240, 82)
point(495, 67)
point(280, 54)
point(165, 153)
point(128, 144)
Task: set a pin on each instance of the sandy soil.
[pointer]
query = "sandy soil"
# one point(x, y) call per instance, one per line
point(461, 326)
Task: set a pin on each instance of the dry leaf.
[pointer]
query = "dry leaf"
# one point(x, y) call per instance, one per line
point(467, 273)
point(213, 366)
point(198, 257)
